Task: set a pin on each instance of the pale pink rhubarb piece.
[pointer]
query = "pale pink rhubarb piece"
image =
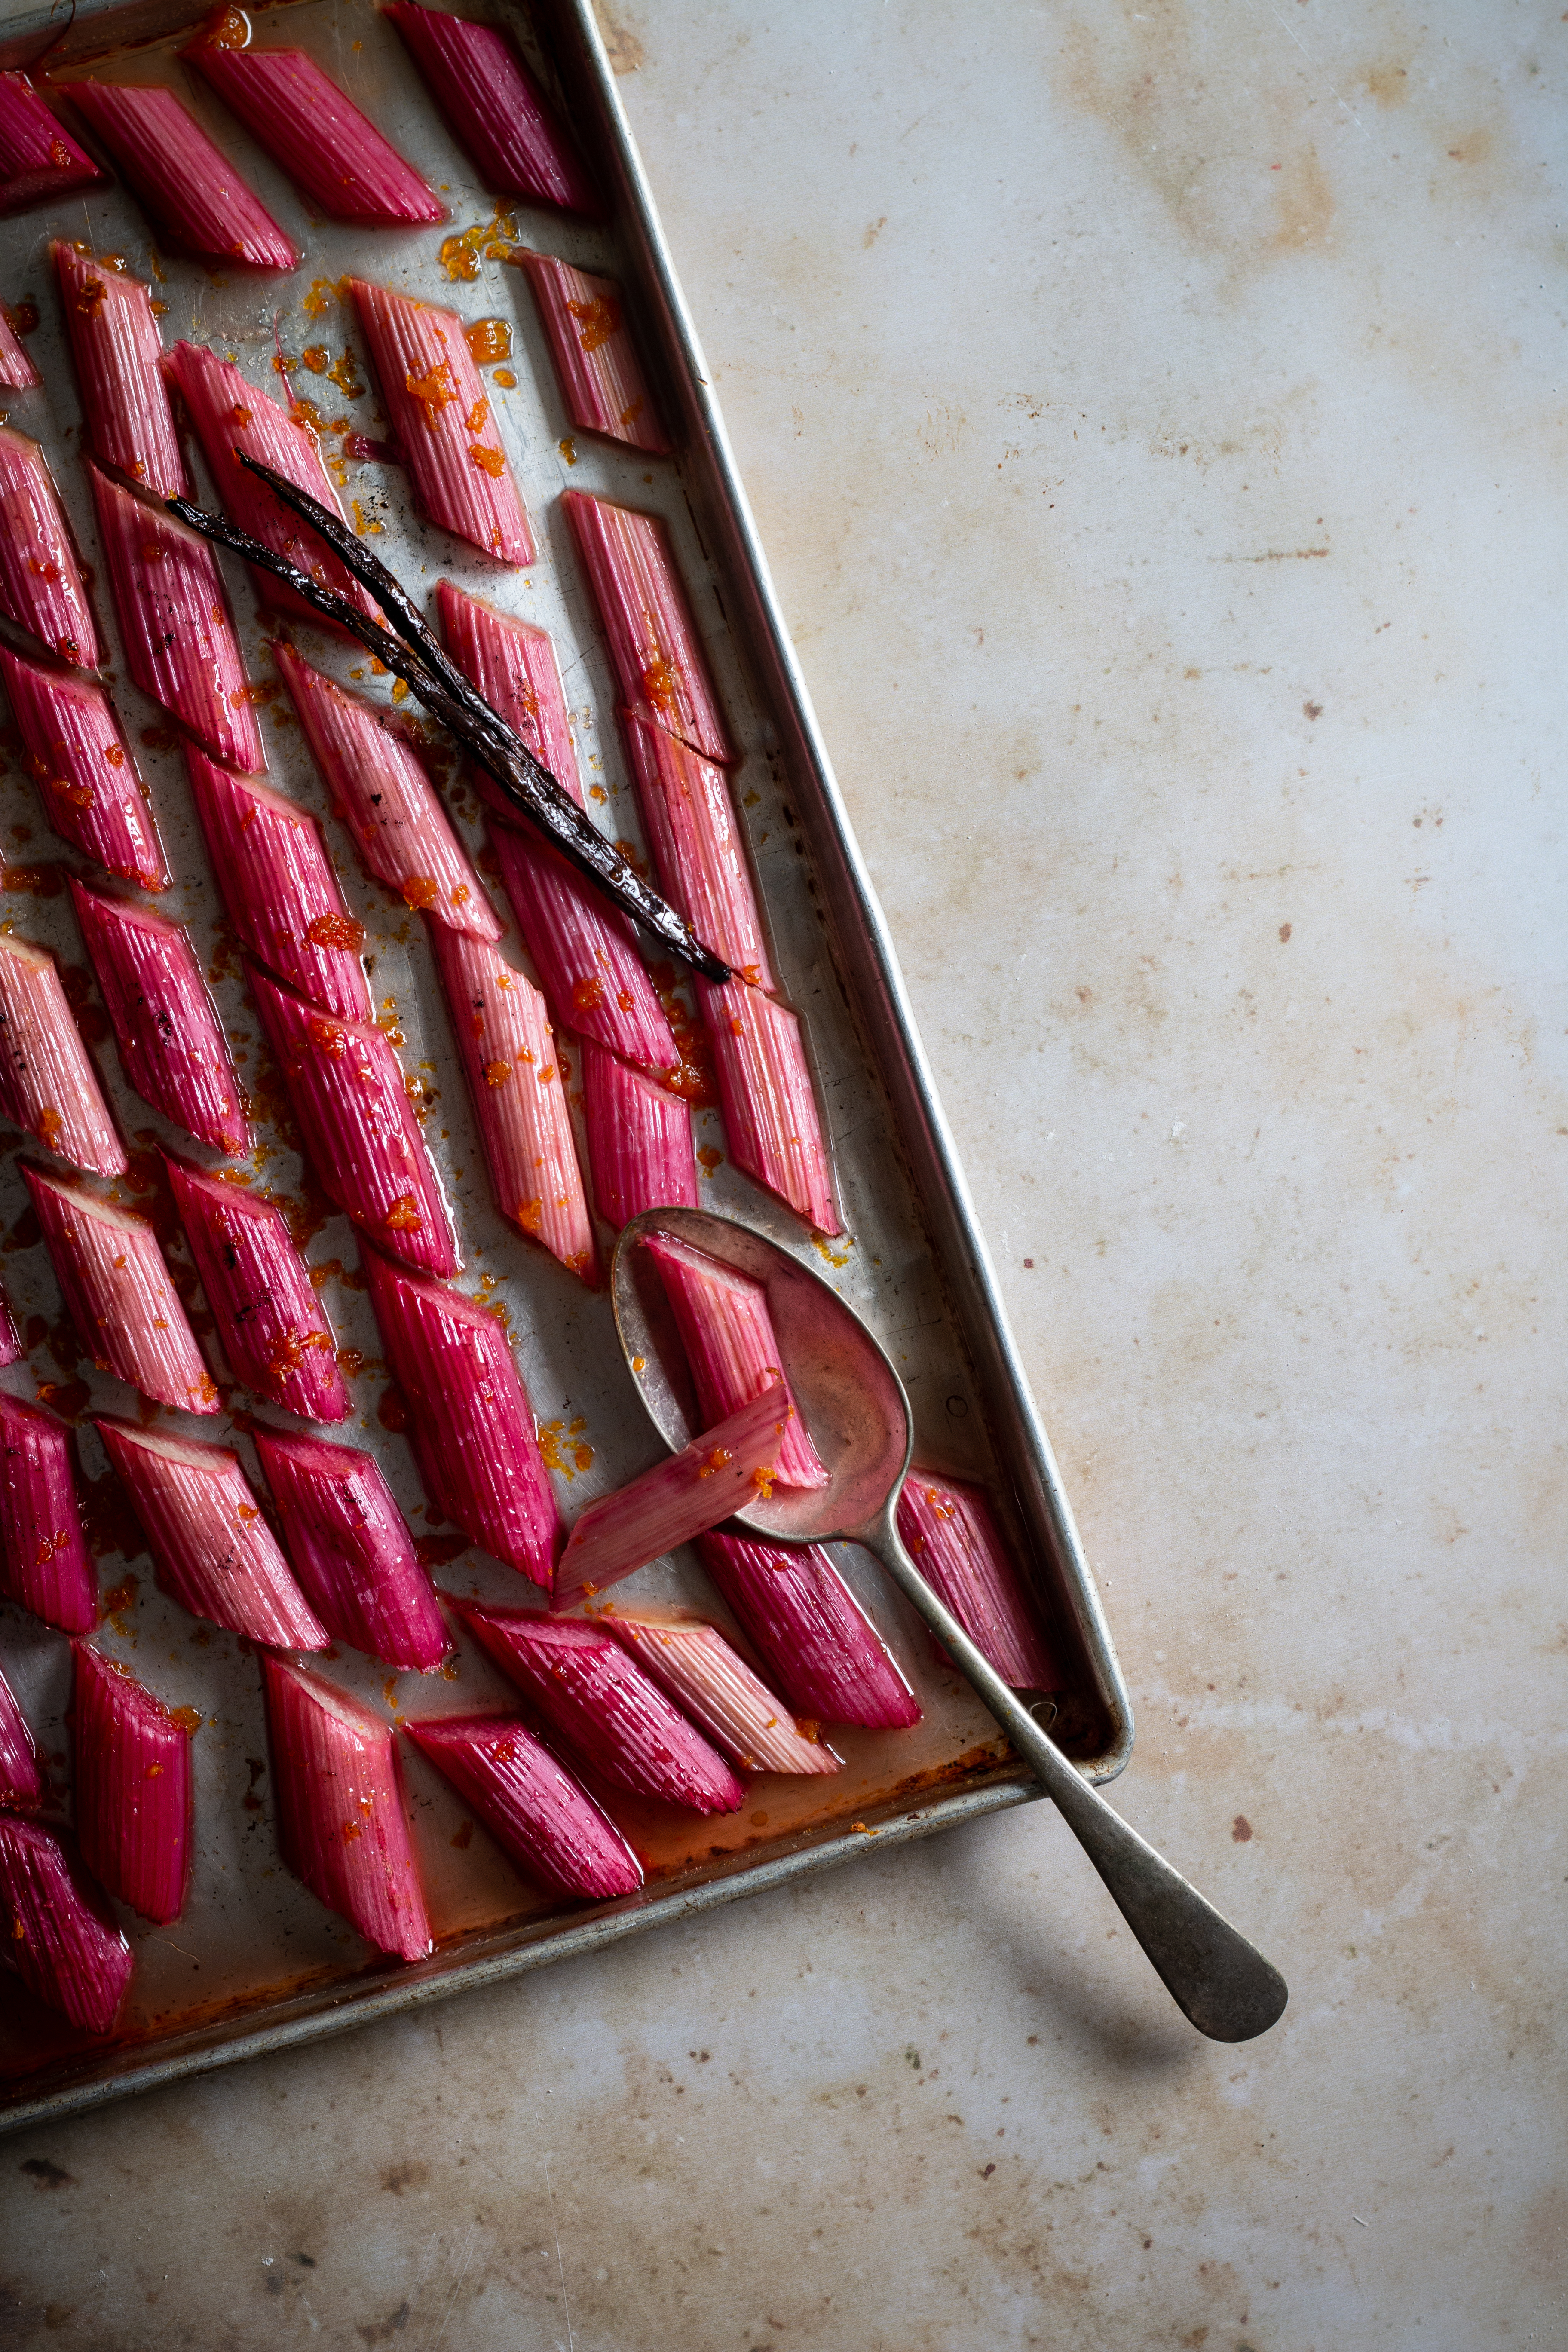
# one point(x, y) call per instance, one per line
point(47, 1083)
point(83, 767)
point(810, 1632)
point(771, 1120)
point(118, 353)
point(387, 801)
point(182, 181)
point(57, 1930)
point(17, 368)
point(698, 849)
point(647, 614)
point(352, 1550)
point(21, 1782)
point(600, 1701)
point(639, 1140)
point(213, 1550)
point(513, 1071)
point(495, 110)
point(270, 1318)
point(176, 623)
point(39, 161)
point(584, 952)
point(470, 1422)
point(545, 1820)
point(171, 1042)
point(133, 1792)
point(118, 1293)
point(335, 156)
point(712, 1684)
point(951, 1534)
point(727, 1334)
point(440, 414)
point(40, 584)
point(595, 358)
point(515, 667)
point(43, 1561)
point(280, 886)
point(720, 1472)
point(229, 415)
point(348, 1094)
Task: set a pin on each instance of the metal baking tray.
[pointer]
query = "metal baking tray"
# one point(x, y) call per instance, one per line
point(255, 1963)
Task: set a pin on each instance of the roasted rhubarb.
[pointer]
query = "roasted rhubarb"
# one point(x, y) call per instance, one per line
point(727, 1334)
point(584, 953)
point(810, 1632)
point(17, 368)
point(951, 1533)
point(720, 1472)
point(441, 416)
point(40, 585)
point(86, 777)
point(639, 1140)
point(119, 354)
point(348, 1094)
point(186, 184)
point(335, 156)
point(470, 1422)
point(11, 1348)
point(176, 623)
point(513, 1070)
point(171, 1042)
point(21, 1782)
point(118, 1293)
point(213, 1550)
point(133, 1757)
point(697, 850)
point(270, 1318)
point(339, 1795)
point(352, 1549)
point(43, 1561)
point(595, 1695)
point(712, 1684)
point(649, 625)
point(771, 1120)
point(47, 1084)
point(494, 109)
point(39, 162)
point(57, 1930)
point(596, 359)
point(531, 1804)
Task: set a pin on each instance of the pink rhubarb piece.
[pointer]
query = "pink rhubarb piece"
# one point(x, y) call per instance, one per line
point(771, 1118)
point(57, 1930)
point(21, 1782)
point(440, 414)
point(339, 1796)
point(43, 1561)
point(118, 353)
point(595, 358)
point(469, 1418)
point(698, 847)
point(352, 1549)
point(177, 625)
point(170, 1041)
point(712, 1684)
point(185, 183)
point(118, 1293)
point(133, 1789)
point(639, 1140)
point(811, 1632)
point(11, 1347)
point(86, 776)
point(270, 1318)
point(17, 368)
point(212, 1548)
point(951, 1534)
point(495, 109)
point(600, 1701)
point(652, 636)
point(727, 1334)
point(531, 1804)
point(39, 162)
point(335, 156)
point(40, 585)
point(47, 1083)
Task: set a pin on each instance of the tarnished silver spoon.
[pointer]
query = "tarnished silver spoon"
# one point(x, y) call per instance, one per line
point(854, 1404)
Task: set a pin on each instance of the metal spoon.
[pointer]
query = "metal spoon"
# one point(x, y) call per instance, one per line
point(854, 1404)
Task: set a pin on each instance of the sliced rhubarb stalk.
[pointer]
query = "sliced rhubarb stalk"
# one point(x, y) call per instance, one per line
point(11, 1347)
point(335, 156)
point(86, 777)
point(441, 417)
point(720, 1472)
point(528, 1802)
point(341, 1822)
point(810, 1632)
point(118, 353)
point(771, 1120)
point(44, 1561)
point(495, 110)
point(40, 585)
point(513, 1071)
point(470, 1422)
point(348, 1094)
point(652, 636)
point(584, 952)
point(727, 1334)
point(515, 669)
point(698, 849)
point(17, 368)
point(176, 623)
point(639, 1140)
point(39, 162)
point(47, 1084)
point(714, 1685)
point(600, 1701)
point(596, 359)
point(281, 887)
point(185, 183)
point(951, 1534)
point(229, 414)
point(269, 1319)
point(21, 1782)
point(351, 1549)
point(387, 801)
point(118, 1293)
point(57, 1930)
point(166, 1025)
point(213, 1550)
point(133, 1757)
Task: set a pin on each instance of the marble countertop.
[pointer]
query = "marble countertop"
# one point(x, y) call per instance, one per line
point(1154, 418)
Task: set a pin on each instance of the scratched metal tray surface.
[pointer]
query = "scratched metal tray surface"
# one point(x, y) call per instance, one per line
point(255, 1962)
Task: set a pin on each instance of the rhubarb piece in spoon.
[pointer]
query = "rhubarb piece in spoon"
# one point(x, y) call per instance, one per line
point(771, 1119)
point(811, 1632)
point(40, 585)
point(21, 1782)
point(182, 181)
point(648, 624)
point(118, 1293)
point(335, 156)
point(171, 1042)
point(352, 1551)
point(495, 109)
point(639, 1139)
point(17, 368)
point(133, 1792)
point(57, 1930)
point(118, 353)
point(270, 1318)
point(44, 1561)
point(39, 162)
point(951, 1533)
point(545, 1820)
point(712, 1684)
point(597, 363)
point(727, 1334)
point(82, 765)
point(47, 1083)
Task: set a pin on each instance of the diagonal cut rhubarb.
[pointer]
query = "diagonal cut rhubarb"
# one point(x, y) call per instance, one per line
point(495, 109)
point(166, 1025)
point(810, 1632)
point(119, 1294)
point(133, 1792)
point(639, 1140)
point(584, 952)
point(270, 1318)
point(39, 161)
point(47, 1083)
point(648, 621)
point(951, 1533)
point(17, 368)
point(185, 183)
point(40, 582)
point(335, 156)
point(712, 1684)
point(698, 849)
point(352, 1549)
point(771, 1120)
point(57, 1930)
point(118, 353)
point(727, 1334)
point(545, 1820)
point(82, 765)
point(21, 1782)
point(596, 361)
point(43, 1561)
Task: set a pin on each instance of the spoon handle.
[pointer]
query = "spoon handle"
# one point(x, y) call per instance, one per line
point(1217, 1978)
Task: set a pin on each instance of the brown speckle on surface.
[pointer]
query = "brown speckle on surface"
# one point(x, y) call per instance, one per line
point(1241, 1829)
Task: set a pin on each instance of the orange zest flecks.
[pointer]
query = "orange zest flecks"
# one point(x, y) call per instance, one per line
point(489, 340)
point(597, 321)
point(419, 890)
point(404, 1216)
point(762, 1480)
point(660, 681)
point(434, 390)
point(497, 1073)
point(336, 931)
point(505, 377)
point(720, 1459)
point(489, 461)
